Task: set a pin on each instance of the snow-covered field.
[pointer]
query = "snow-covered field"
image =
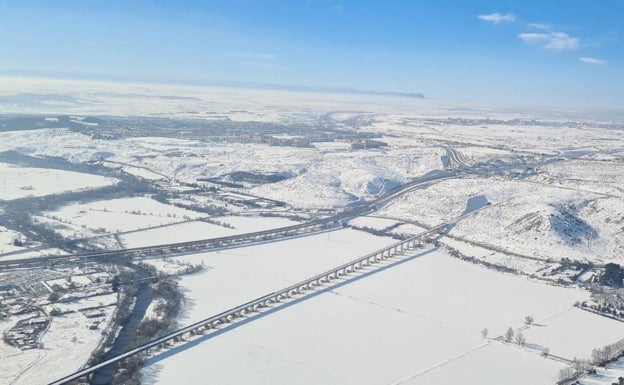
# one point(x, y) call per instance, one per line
point(568, 334)
point(248, 272)
point(197, 230)
point(19, 182)
point(416, 323)
point(7, 239)
point(115, 215)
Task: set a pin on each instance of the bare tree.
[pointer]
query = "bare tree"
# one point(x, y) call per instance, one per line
point(528, 320)
point(509, 334)
point(545, 352)
point(520, 340)
point(567, 374)
point(484, 332)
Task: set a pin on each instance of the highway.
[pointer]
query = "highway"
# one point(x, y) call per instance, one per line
point(398, 249)
point(455, 158)
point(310, 227)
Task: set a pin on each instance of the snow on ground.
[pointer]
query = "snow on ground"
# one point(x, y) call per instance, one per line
point(524, 265)
point(7, 237)
point(13, 360)
point(608, 375)
point(67, 345)
point(476, 154)
point(408, 228)
point(539, 138)
point(7, 247)
point(321, 176)
point(33, 253)
point(492, 364)
point(19, 182)
point(116, 215)
point(235, 276)
point(181, 159)
point(245, 224)
point(63, 354)
point(527, 218)
point(340, 178)
point(607, 216)
point(373, 223)
point(568, 334)
point(600, 176)
point(546, 226)
point(191, 231)
point(419, 321)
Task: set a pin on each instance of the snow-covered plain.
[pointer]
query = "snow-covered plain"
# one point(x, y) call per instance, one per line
point(117, 215)
point(19, 182)
point(607, 375)
point(7, 239)
point(248, 272)
point(191, 231)
point(417, 322)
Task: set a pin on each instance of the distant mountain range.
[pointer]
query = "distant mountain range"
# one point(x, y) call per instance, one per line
point(333, 90)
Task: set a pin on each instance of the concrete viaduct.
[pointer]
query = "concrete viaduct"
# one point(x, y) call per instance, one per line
point(267, 301)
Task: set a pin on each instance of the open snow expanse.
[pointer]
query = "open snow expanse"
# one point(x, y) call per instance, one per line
point(197, 230)
point(18, 182)
point(249, 272)
point(560, 333)
point(7, 239)
point(116, 215)
point(419, 320)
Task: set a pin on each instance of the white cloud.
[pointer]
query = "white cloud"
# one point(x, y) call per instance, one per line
point(497, 18)
point(592, 60)
point(556, 41)
point(540, 26)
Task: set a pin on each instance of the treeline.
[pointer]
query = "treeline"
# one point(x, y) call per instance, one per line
point(600, 357)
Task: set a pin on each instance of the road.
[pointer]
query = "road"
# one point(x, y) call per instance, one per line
point(264, 302)
point(309, 227)
point(455, 157)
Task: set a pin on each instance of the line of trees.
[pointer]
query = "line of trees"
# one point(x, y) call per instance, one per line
point(600, 357)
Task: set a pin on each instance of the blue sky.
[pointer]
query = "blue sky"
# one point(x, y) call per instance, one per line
point(528, 52)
